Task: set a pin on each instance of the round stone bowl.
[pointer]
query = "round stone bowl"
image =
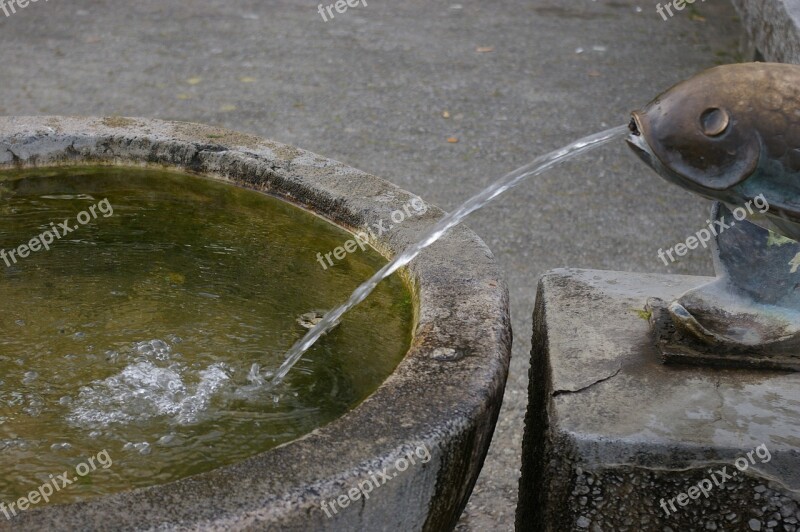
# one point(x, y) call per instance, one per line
point(441, 403)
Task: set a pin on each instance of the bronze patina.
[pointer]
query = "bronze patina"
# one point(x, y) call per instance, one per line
point(732, 134)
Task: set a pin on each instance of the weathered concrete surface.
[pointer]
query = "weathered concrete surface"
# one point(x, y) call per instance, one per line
point(611, 431)
point(449, 404)
point(773, 28)
point(370, 87)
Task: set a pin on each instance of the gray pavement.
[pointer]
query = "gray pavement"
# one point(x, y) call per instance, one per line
point(370, 87)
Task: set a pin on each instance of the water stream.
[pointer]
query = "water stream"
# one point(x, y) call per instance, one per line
point(505, 183)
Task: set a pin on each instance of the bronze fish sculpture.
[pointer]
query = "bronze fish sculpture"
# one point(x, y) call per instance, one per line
point(732, 134)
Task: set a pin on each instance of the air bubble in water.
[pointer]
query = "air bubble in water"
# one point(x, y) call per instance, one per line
point(141, 448)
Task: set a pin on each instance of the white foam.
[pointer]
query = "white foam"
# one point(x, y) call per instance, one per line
point(144, 390)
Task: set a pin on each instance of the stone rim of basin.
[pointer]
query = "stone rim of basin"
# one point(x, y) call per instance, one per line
point(445, 395)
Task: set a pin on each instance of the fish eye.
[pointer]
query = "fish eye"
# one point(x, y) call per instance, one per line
point(714, 121)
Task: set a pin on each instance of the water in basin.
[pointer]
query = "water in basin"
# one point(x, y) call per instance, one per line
point(137, 332)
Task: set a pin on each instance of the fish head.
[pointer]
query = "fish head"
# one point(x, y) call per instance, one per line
point(699, 134)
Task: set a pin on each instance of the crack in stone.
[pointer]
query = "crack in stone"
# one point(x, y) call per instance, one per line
point(584, 388)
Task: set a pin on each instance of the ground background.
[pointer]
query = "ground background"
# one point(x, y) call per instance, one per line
point(369, 88)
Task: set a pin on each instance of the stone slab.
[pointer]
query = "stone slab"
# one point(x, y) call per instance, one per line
point(610, 430)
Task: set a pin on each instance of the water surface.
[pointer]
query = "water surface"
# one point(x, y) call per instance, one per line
point(137, 332)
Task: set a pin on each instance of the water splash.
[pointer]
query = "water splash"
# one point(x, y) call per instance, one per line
point(144, 390)
point(505, 183)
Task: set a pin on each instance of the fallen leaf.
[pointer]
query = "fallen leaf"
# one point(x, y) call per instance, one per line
point(484, 49)
point(194, 81)
point(247, 79)
point(698, 18)
point(452, 140)
point(594, 73)
point(184, 96)
point(445, 114)
point(227, 108)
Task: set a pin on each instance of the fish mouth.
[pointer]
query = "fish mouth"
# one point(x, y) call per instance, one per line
point(634, 126)
point(638, 144)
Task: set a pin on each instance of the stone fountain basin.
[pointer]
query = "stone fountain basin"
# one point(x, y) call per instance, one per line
point(445, 394)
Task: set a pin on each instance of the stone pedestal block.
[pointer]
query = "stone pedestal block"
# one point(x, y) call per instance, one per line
point(773, 28)
point(616, 440)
